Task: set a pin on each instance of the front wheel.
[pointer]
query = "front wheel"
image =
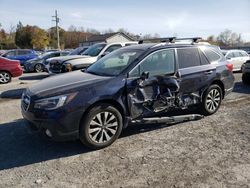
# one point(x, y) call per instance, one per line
point(101, 126)
point(211, 100)
point(39, 67)
point(5, 77)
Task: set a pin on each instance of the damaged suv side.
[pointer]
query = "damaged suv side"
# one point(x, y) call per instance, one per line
point(126, 86)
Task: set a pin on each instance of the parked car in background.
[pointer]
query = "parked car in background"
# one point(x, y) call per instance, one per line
point(236, 57)
point(38, 64)
point(91, 55)
point(8, 69)
point(135, 84)
point(246, 73)
point(22, 55)
point(72, 55)
point(2, 52)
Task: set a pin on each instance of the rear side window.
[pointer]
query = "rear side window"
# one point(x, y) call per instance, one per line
point(188, 57)
point(204, 60)
point(243, 54)
point(211, 55)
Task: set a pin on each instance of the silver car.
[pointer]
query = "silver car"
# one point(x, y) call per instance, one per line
point(236, 57)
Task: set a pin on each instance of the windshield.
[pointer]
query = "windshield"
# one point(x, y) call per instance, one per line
point(76, 51)
point(114, 63)
point(94, 50)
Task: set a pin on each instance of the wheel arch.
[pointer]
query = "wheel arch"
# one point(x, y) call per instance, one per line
point(221, 85)
point(7, 72)
point(112, 102)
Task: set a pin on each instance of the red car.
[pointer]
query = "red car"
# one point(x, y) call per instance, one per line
point(8, 69)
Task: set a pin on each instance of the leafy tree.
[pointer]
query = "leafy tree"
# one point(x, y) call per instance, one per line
point(40, 39)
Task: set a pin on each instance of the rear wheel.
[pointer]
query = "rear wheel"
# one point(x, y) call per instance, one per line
point(211, 100)
point(246, 79)
point(5, 77)
point(101, 126)
point(39, 67)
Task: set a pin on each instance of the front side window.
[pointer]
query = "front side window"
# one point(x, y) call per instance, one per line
point(158, 63)
point(188, 57)
point(113, 64)
point(112, 48)
point(9, 54)
point(230, 55)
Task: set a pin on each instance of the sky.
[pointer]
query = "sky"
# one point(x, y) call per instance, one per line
point(184, 18)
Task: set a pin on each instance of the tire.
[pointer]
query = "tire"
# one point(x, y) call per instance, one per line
point(101, 126)
point(211, 100)
point(246, 79)
point(38, 68)
point(5, 77)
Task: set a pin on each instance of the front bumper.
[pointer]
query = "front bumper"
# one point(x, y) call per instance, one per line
point(63, 125)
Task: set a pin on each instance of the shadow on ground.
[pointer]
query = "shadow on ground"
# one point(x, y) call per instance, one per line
point(12, 94)
point(239, 87)
point(20, 147)
point(34, 77)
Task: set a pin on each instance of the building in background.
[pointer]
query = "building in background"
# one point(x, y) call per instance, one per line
point(108, 38)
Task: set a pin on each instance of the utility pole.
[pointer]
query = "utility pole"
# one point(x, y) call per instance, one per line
point(56, 19)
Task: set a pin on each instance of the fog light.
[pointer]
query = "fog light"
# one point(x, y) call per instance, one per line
point(48, 133)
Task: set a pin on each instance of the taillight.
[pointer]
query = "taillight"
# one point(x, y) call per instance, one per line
point(230, 67)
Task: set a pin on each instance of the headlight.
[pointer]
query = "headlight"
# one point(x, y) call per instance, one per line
point(68, 67)
point(54, 102)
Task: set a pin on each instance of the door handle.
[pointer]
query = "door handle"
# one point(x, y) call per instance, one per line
point(209, 72)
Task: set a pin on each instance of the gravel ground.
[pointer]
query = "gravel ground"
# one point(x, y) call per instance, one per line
point(211, 152)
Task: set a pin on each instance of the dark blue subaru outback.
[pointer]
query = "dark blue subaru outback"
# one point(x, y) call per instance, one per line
point(128, 85)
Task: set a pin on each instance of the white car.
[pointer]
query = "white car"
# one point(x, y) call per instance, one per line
point(91, 55)
point(236, 57)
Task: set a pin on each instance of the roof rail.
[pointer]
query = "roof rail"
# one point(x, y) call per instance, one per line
point(157, 40)
point(193, 39)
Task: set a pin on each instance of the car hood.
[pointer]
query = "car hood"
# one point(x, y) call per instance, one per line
point(83, 60)
point(64, 82)
point(66, 58)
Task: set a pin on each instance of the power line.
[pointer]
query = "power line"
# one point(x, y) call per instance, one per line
point(56, 19)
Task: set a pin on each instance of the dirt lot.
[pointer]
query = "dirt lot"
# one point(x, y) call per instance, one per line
point(212, 152)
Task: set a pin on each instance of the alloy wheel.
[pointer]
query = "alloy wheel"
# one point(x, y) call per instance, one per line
point(213, 100)
point(4, 77)
point(39, 68)
point(103, 127)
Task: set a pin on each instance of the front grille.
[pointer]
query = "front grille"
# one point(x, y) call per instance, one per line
point(25, 102)
point(55, 67)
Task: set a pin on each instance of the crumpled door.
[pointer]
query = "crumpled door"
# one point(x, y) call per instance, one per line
point(152, 95)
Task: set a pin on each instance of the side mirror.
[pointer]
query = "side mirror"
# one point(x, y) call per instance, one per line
point(144, 75)
point(178, 74)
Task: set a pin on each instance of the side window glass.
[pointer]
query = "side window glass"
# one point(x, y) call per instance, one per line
point(113, 47)
point(211, 55)
point(9, 54)
point(236, 54)
point(230, 55)
point(158, 63)
point(204, 60)
point(188, 57)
